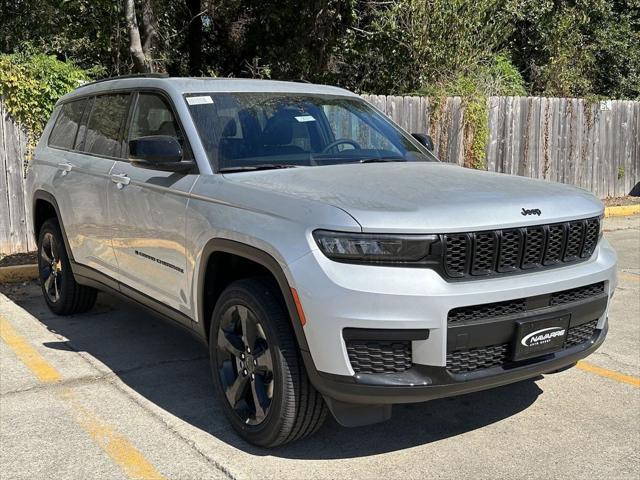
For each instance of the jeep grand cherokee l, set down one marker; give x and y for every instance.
(329, 261)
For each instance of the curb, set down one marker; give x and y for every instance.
(622, 211)
(18, 273)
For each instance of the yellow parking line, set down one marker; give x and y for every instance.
(117, 447)
(629, 276)
(603, 372)
(25, 352)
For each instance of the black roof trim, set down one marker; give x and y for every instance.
(133, 75)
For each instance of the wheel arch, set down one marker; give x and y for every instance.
(266, 263)
(45, 206)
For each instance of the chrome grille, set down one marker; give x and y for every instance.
(478, 254)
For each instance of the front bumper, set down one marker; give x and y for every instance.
(336, 296)
(422, 382)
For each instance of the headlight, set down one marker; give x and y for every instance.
(375, 248)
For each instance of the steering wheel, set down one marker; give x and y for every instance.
(341, 141)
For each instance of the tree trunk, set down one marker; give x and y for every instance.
(194, 37)
(140, 61)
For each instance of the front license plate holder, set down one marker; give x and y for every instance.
(538, 337)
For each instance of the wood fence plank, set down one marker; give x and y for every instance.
(5, 226)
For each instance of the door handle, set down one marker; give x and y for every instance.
(120, 179)
(65, 167)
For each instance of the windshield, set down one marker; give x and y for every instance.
(249, 131)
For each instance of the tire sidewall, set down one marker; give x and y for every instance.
(51, 226)
(268, 430)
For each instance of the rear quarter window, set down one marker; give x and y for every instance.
(65, 129)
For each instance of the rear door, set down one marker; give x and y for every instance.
(86, 153)
(148, 212)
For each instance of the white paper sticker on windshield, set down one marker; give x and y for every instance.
(199, 100)
(305, 118)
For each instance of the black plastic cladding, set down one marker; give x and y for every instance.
(481, 254)
(519, 305)
(499, 355)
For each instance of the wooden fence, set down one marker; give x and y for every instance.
(568, 140)
(593, 146)
(16, 234)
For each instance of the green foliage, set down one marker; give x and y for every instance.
(502, 47)
(578, 47)
(620, 172)
(496, 76)
(31, 84)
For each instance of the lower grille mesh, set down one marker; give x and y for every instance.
(474, 359)
(519, 305)
(477, 358)
(378, 356)
(581, 333)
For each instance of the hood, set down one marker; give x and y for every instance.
(425, 197)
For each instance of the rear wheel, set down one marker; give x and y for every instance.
(258, 372)
(63, 294)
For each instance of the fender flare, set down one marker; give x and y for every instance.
(48, 197)
(260, 257)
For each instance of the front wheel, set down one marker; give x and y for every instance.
(63, 294)
(258, 372)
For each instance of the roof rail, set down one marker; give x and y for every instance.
(132, 75)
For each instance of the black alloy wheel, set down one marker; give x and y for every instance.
(258, 372)
(244, 364)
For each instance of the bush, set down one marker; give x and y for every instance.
(31, 84)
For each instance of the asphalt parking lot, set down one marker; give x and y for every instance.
(117, 393)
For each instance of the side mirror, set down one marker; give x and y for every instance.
(158, 152)
(425, 140)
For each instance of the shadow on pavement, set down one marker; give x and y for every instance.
(170, 368)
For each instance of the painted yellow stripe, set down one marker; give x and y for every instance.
(25, 352)
(117, 447)
(603, 372)
(630, 276)
(622, 211)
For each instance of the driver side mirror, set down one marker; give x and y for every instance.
(158, 152)
(425, 140)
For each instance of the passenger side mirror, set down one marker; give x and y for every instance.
(425, 140)
(158, 152)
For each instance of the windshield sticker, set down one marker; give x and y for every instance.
(199, 100)
(305, 118)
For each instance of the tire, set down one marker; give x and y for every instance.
(295, 409)
(63, 294)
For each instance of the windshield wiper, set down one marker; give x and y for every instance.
(382, 159)
(252, 168)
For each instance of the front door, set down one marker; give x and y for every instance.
(148, 214)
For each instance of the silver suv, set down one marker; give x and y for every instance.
(329, 261)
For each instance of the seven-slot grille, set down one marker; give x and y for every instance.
(477, 254)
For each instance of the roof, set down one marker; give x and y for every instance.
(183, 85)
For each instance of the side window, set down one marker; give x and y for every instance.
(64, 131)
(153, 116)
(103, 129)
